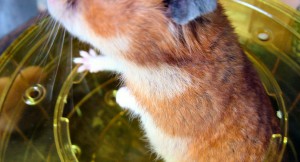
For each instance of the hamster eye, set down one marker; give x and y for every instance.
(166, 3)
(71, 3)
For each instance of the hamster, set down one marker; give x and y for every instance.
(185, 76)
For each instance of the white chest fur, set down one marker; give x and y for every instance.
(163, 81)
(171, 149)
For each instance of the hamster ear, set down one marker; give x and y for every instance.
(184, 11)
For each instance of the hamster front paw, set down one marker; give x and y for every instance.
(92, 62)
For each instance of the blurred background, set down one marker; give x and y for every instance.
(14, 13)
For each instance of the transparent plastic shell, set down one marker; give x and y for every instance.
(49, 112)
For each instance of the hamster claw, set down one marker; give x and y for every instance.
(81, 69)
(78, 60)
(92, 52)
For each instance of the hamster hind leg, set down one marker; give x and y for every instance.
(126, 100)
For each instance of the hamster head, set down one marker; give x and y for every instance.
(124, 23)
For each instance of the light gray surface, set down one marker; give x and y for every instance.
(13, 13)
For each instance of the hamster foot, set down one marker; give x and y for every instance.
(126, 100)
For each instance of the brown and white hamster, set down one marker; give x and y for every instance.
(196, 94)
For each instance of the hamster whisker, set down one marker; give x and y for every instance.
(51, 30)
(57, 58)
(59, 54)
(42, 15)
(45, 50)
(50, 24)
(43, 27)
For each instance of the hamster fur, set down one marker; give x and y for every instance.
(196, 94)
